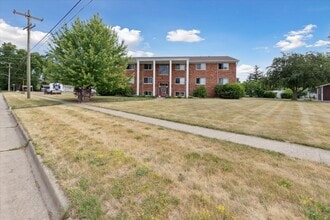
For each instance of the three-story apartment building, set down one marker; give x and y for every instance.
(180, 76)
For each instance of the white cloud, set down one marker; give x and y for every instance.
(261, 48)
(184, 36)
(244, 68)
(321, 43)
(17, 36)
(264, 49)
(140, 53)
(307, 29)
(296, 39)
(131, 37)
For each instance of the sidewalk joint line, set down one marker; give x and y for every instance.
(22, 147)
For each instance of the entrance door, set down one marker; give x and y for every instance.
(163, 89)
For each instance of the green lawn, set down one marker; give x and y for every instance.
(19, 100)
(114, 168)
(299, 122)
(296, 122)
(70, 97)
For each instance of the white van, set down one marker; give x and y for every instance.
(54, 88)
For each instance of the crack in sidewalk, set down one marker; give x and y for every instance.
(23, 146)
(14, 126)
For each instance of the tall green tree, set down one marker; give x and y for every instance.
(9, 53)
(37, 68)
(88, 55)
(257, 74)
(298, 71)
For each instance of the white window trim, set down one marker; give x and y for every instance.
(200, 80)
(144, 93)
(183, 94)
(181, 82)
(223, 63)
(222, 80)
(168, 69)
(131, 80)
(180, 65)
(147, 69)
(202, 65)
(148, 80)
(130, 68)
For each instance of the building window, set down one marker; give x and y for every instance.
(223, 81)
(147, 80)
(147, 93)
(201, 66)
(180, 67)
(179, 80)
(163, 69)
(131, 80)
(130, 67)
(147, 66)
(179, 94)
(200, 81)
(223, 66)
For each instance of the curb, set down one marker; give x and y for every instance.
(51, 193)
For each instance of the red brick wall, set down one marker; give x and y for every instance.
(178, 74)
(130, 73)
(143, 74)
(212, 75)
(326, 93)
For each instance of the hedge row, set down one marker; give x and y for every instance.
(237, 91)
(229, 91)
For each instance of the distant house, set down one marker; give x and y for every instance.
(180, 76)
(323, 92)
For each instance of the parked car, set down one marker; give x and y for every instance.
(43, 88)
(54, 88)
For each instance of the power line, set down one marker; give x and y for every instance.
(57, 24)
(64, 22)
(80, 11)
(22, 59)
(47, 36)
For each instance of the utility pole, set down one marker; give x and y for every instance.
(9, 77)
(28, 61)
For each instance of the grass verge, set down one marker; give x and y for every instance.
(69, 97)
(112, 168)
(18, 100)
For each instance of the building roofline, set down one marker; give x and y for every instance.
(327, 84)
(192, 59)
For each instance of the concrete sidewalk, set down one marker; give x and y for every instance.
(289, 149)
(26, 191)
(20, 197)
(292, 150)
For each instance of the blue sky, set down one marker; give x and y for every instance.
(253, 31)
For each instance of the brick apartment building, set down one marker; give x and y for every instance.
(180, 76)
(323, 92)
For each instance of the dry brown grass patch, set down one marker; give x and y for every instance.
(296, 122)
(116, 168)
